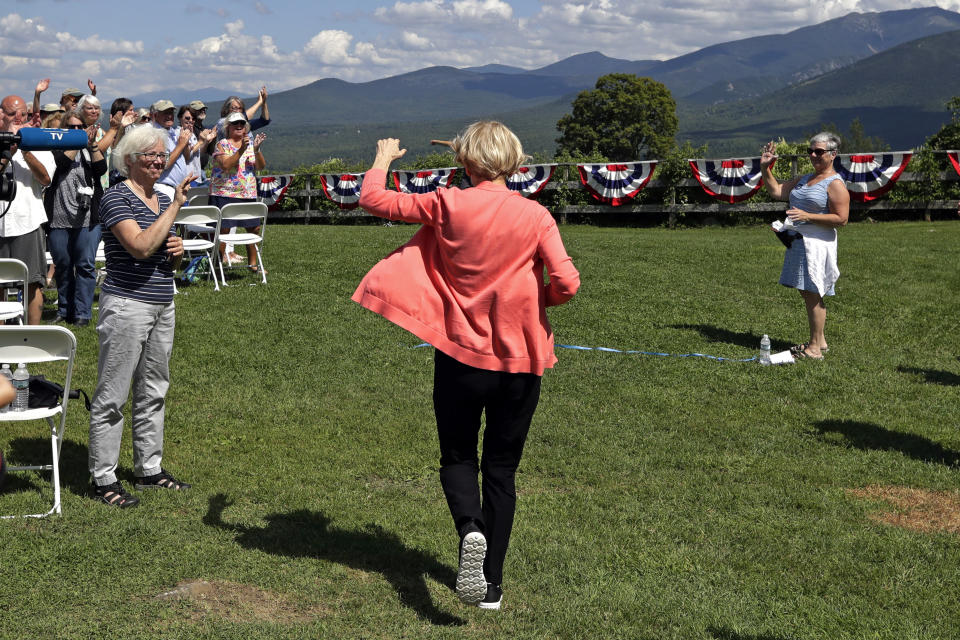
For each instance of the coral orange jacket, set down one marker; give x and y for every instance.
(471, 280)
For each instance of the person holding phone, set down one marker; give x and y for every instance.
(819, 205)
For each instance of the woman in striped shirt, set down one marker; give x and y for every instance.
(136, 319)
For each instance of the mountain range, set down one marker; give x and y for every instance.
(887, 68)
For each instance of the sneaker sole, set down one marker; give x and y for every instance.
(490, 606)
(471, 584)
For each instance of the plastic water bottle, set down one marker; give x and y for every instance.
(21, 382)
(8, 374)
(764, 350)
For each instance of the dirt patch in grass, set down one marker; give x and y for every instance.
(238, 603)
(917, 509)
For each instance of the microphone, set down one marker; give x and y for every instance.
(34, 139)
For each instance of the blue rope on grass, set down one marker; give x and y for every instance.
(642, 353)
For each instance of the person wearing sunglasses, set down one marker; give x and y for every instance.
(72, 203)
(819, 205)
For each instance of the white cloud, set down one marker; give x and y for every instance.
(331, 47)
(411, 40)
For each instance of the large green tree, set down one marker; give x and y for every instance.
(623, 118)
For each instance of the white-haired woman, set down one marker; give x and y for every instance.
(819, 204)
(470, 282)
(136, 321)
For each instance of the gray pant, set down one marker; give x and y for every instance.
(136, 339)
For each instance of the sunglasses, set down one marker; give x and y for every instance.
(75, 126)
(818, 152)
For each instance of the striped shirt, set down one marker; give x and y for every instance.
(148, 280)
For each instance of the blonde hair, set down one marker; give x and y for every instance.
(488, 150)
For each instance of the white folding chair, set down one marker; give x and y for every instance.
(197, 192)
(30, 345)
(195, 219)
(245, 211)
(198, 200)
(100, 259)
(13, 275)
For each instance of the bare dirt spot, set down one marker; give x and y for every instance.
(917, 509)
(238, 603)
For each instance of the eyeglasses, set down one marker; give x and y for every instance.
(818, 152)
(153, 156)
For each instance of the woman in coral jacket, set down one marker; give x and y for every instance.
(471, 283)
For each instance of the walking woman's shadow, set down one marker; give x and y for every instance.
(305, 533)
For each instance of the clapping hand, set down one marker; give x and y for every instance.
(43, 85)
(92, 86)
(257, 141)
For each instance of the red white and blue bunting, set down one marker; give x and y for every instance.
(343, 189)
(869, 176)
(424, 181)
(271, 189)
(954, 159)
(732, 180)
(529, 180)
(614, 184)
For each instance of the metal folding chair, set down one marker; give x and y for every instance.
(31, 345)
(195, 219)
(245, 211)
(14, 274)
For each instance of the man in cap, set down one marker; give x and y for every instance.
(20, 234)
(164, 117)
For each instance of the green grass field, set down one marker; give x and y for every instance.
(659, 497)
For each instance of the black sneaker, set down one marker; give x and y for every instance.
(471, 585)
(162, 480)
(115, 496)
(493, 597)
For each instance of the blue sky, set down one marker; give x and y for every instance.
(238, 45)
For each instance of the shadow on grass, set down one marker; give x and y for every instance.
(74, 476)
(728, 634)
(866, 436)
(934, 376)
(739, 338)
(305, 533)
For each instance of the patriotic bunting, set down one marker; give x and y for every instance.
(342, 189)
(869, 176)
(954, 159)
(425, 181)
(614, 184)
(529, 180)
(271, 189)
(731, 181)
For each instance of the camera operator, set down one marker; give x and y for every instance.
(20, 234)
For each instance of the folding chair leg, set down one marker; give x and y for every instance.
(223, 277)
(213, 272)
(55, 441)
(263, 271)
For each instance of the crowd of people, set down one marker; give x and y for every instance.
(124, 188)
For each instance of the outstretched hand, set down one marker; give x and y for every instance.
(389, 149)
(768, 155)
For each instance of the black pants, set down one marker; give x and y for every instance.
(461, 393)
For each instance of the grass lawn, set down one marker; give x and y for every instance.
(659, 497)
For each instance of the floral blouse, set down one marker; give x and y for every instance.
(239, 182)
